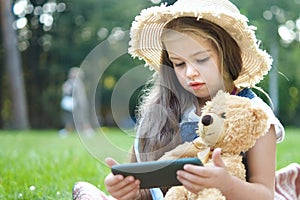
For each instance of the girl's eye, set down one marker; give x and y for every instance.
(178, 64)
(203, 60)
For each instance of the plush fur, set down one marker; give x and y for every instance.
(230, 122)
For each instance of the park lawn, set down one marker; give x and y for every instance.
(288, 150)
(42, 165)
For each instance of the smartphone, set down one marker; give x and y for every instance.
(155, 173)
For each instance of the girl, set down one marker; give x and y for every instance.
(196, 47)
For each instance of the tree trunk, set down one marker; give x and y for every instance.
(13, 68)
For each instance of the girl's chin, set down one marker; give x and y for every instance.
(204, 94)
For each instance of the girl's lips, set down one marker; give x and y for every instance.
(196, 85)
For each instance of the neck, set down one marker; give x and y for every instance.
(201, 102)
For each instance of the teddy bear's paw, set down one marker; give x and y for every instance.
(209, 193)
(176, 193)
(185, 150)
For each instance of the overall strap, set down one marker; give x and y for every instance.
(246, 92)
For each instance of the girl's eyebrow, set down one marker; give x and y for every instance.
(201, 52)
(174, 57)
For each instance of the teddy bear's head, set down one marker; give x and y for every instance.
(232, 123)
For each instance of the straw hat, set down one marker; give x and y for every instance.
(147, 28)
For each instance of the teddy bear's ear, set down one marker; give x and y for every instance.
(260, 121)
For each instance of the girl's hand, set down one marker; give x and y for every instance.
(120, 187)
(195, 178)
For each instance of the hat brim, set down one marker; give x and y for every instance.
(147, 29)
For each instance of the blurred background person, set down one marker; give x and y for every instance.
(74, 101)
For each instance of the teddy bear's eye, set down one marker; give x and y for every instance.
(223, 115)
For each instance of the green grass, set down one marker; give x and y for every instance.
(42, 165)
(288, 150)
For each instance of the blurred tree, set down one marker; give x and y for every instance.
(35, 21)
(54, 36)
(13, 65)
(278, 24)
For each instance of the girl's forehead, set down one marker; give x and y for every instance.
(186, 45)
(192, 34)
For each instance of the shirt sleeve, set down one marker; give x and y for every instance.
(272, 119)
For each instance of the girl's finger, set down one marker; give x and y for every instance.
(111, 162)
(217, 159)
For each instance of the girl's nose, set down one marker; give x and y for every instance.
(191, 71)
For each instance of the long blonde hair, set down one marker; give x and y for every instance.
(165, 100)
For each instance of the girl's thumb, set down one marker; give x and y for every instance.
(111, 162)
(217, 159)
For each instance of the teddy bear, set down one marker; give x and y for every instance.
(229, 122)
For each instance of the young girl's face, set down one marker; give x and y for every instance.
(196, 64)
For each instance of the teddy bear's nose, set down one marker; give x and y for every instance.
(207, 120)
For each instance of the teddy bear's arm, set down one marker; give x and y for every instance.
(187, 149)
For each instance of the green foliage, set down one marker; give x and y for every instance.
(50, 54)
(287, 64)
(84, 24)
